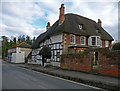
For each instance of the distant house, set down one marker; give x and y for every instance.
(19, 52)
(71, 33)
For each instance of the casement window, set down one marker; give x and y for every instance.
(82, 40)
(95, 41)
(72, 38)
(80, 26)
(106, 44)
(98, 41)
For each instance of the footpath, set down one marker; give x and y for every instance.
(101, 81)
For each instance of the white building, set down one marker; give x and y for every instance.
(19, 52)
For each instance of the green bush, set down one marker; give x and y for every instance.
(116, 46)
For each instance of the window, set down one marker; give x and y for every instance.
(82, 38)
(58, 54)
(80, 27)
(95, 41)
(106, 43)
(72, 38)
(97, 31)
(98, 41)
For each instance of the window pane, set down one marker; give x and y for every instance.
(82, 40)
(93, 40)
(106, 43)
(98, 41)
(72, 38)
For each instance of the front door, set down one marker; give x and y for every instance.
(95, 60)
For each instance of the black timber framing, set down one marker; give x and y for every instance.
(55, 49)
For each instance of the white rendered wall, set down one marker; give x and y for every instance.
(54, 39)
(57, 38)
(18, 57)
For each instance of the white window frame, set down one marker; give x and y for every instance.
(73, 42)
(84, 40)
(106, 43)
(80, 26)
(97, 38)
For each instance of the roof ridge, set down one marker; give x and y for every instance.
(80, 16)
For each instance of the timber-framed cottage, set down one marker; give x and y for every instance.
(71, 33)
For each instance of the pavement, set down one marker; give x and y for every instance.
(15, 78)
(100, 81)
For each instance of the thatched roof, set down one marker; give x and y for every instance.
(22, 45)
(70, 25)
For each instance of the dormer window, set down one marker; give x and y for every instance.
(97, 31)
(80, 26)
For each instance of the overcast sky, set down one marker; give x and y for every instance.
(31, 17)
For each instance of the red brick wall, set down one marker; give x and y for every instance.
(110, 42)
(103, 43)
(108, 62)
(76, 62)
(77, 39)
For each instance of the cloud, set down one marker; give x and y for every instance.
(106, 11)
(24, 17)
(16, 15)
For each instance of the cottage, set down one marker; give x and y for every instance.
(19, 52)
(71, 33)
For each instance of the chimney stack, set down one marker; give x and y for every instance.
(99, 22)
(48, 26)
(61, 16)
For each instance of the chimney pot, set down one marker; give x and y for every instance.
(99, 22)
(48, 26)
(62, 5)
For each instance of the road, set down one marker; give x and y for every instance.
(18, 78)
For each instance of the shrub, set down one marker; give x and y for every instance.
(116, 46)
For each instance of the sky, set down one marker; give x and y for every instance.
(28, 17)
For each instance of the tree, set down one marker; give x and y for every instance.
(14, 40)
(5, 46)
(23, 38)
(11, 43)
(28, 40)
(116, 46)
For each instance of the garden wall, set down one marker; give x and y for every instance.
(109, 61)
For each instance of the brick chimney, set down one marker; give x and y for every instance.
(48, 26)
(61, 17)
(99, 22)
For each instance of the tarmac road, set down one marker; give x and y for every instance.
(14, 77)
